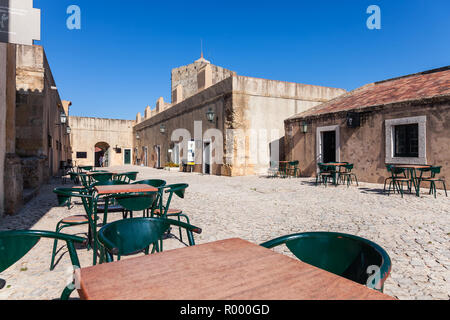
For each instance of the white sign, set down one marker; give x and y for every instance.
(20, 23)
(191, 153)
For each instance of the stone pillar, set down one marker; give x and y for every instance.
(138, 118)
(13, 176)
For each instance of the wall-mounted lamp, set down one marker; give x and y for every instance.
(137, 136)
(304, 127)
(63, 117)
(68, 130)
(210, 115)
(162, 128)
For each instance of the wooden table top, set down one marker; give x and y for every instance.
(125, 188)
(222, 270)
(335, 164)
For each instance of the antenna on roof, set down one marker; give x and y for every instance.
(201, 48)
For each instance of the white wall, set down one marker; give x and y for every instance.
(20, 23)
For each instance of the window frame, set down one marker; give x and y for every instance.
(390, 125)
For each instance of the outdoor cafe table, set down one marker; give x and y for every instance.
(232, 269)
(412, 174)
(111, 190)
(338, 165)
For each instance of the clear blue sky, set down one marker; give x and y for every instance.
(120, 60)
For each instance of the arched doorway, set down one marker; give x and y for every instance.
(102, 154)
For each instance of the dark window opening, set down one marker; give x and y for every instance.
(81, 155)
(407, 141)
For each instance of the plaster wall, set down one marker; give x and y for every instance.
(261, 107)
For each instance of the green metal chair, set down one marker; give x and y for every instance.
(126, 176)
(388, 168)
(293, 169)
(136, 201)
(164, 210)
(107, 204)
(326, 173)
(398, 178)
(64, 196)
(136, 235)
(343, 254)
(16, 244)
(101, 176)
(347, 174)
(157, 183)
(432, 179)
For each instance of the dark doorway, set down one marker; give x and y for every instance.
(158, 156)
(329, 146)
(102, 154)
(207, 157)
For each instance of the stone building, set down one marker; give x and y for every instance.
(220, 122)
(397, 121)
(36, 143)
(94, 139)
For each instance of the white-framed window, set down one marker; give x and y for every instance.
(406, 140)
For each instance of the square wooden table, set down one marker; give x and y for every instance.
(222, 270)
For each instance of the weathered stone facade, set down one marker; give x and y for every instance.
(366, 145)
(89, 132)
(186, 76)
(36, 143)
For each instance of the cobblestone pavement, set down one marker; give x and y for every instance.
(414, 231)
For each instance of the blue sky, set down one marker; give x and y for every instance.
(120, 60)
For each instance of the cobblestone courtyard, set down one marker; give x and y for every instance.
(414, 231)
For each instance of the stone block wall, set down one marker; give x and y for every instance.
(186, 76)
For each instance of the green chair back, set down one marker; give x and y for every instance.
(346, 255)
(126, 176)
(138, 201)
(131, 236)
(64, 197)
(102, 176)
(152, 182)
(349, 167)
(435, 170)
(179, 189)
(16, 244)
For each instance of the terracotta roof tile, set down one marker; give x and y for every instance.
(413, 87)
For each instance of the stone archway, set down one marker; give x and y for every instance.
(102, 157)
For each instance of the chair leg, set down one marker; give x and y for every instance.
(445, 189)
(356, 179)
(55, 244)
